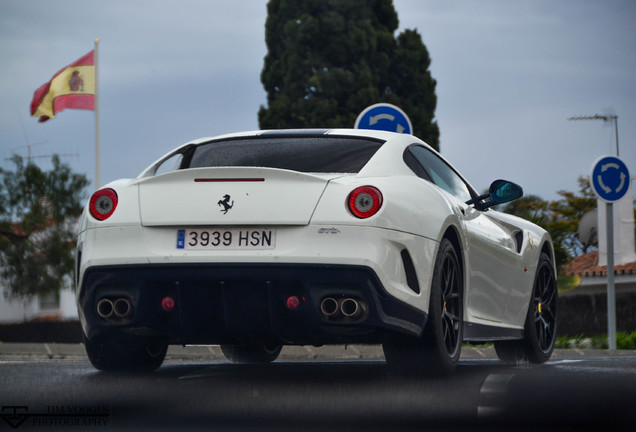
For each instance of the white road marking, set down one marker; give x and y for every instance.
(561, 362)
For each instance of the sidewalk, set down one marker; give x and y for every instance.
(56, 351)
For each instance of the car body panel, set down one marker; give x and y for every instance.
(256, 196)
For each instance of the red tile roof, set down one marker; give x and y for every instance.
(587, 265)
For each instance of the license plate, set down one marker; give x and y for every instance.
(233, 238)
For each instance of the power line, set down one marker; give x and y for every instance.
(47, 156)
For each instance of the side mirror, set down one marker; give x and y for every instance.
(500, 192)
(503, 191)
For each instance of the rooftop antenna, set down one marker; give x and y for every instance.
(605, 118)
(29, 144)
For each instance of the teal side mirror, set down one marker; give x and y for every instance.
(500, 192)
(503, 191)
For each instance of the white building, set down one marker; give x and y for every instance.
(53, 307)
(592, 267)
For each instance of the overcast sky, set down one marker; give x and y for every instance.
(509, 74)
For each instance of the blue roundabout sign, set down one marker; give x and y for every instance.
(386, 117)
(610, 179)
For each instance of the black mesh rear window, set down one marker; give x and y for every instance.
(317, 154)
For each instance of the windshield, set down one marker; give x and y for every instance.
(323, 154)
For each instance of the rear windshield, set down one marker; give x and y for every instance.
(324, 154)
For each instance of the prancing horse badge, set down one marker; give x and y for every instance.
(226, 204)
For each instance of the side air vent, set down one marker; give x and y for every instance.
(78, 264)
(519, 240)
(409, 270)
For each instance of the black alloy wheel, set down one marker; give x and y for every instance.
(544, 305)
(541, 320)
(437, 351)
(251, 354)
(451, 303)
(124, 352)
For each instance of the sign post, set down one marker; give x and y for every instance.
(610, 181)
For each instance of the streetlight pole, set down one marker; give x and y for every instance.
(605, 118)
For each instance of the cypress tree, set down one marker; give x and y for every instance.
(328, 60)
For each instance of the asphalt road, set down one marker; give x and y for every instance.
(308, 390)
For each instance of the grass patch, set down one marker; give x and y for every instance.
(624, 341)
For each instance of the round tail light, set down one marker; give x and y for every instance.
(103, 203)
(365, 201)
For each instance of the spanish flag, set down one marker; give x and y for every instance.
(72, 87)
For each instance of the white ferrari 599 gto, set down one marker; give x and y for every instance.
(307, 237)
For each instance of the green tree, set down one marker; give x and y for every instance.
(566, 213)
(327, 61)
(38, 212)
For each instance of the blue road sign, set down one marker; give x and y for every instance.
(610, 178)
(386, 117)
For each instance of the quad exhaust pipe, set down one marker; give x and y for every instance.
(351, 308)
(346, 309)
(105, 308)
(329, 307)
(115, 310)
(122, 308)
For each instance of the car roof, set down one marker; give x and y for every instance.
(390, 138)
(363, 133)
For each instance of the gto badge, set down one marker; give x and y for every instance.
(328, 231)
(226, 204)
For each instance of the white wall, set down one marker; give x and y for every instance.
(18, 310)
(12, 310)
(623, 230)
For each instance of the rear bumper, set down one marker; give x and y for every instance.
(244, 303)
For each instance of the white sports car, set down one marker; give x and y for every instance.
(297, 237)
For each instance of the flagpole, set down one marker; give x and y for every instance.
(97, 161)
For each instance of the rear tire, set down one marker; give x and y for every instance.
(122, 352)
(251, 353)
(438, 351)
(541, 321)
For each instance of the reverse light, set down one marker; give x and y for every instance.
(364, 201)
(103, 203)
